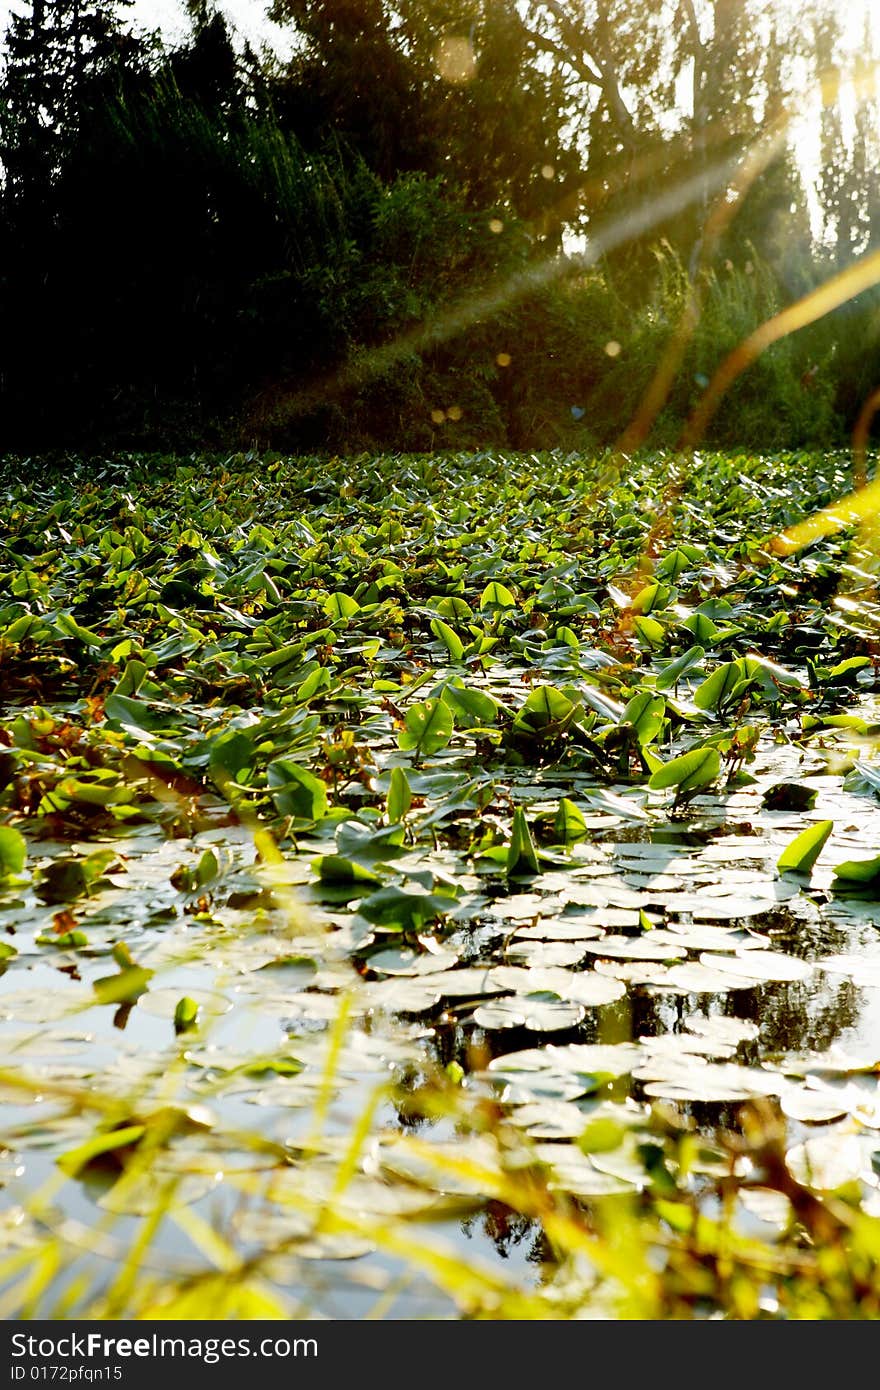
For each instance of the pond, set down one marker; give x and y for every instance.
(367, 956)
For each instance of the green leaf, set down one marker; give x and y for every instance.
(453, 607)
(405, 908)
(470, 707)
(863, 871)
(317, 679)
(13, 851)
(399, 798)
(522, 857)
(97, 793)
(672, 674)
(652, 596)
(646, 713)
(62, 881)
(338, 606)
(230, 754)
(69, 627)
(686, 773)
(800, 856)
(496, 595)
(674, 562)
(701, 626)
(112, 1141)
(569, 823)
(26, 626)
(652, 633)
(846, 672)
(296, 791)
(336, 868)
(185, 1015)
(429, 727)
(369, 844)
(450, 639)
(120, 709)
(66, 940)
(546, 711)
(132, 678)
(207, 868)
(726, 683)
(123, 988)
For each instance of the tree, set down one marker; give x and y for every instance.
(54, 51)
(451, 88)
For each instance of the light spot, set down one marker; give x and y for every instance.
(496, 225)
(454, 412)
(503, 359)
(612, 348)
(456, 63)
(438, 416)
(548, 172)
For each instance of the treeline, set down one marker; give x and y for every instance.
(363, 246)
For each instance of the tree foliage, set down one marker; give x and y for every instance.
(194, 234)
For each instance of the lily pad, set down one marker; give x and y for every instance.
(536, 1012)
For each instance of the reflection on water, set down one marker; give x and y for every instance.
(266, 1058)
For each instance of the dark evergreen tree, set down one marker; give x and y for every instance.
(55, 52)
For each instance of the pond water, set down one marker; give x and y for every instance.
(549, 992)
(390, 887)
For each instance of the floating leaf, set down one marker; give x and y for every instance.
(546, 711)
(114, 1141)
(62, 881)
(827, 1162)
(568, 823)
(185, 1015)
(399, 797)
(692, 1079)
(759, 966)
(429, 728)
(790, 796)
(296, 791)
(408, 909)
(522, 857)
(727, 684)
(13, 851)
(340, 606)
(688, 772)
(673, 672)
(858, 872)
(403, 960)
(800, 856)
(449, 637)
(529, 1011)
(496, 595)
(646, 713)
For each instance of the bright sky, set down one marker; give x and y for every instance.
(248, 17)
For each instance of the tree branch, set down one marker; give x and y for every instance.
(592, 61)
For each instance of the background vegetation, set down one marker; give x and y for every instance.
(203, 244)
